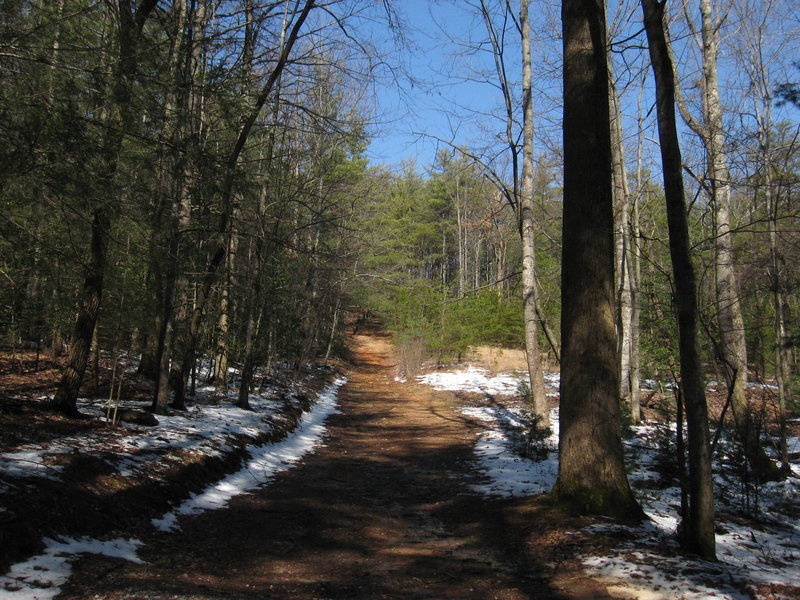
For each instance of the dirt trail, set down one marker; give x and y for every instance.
(383, 510)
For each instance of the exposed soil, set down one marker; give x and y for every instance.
(383, 510)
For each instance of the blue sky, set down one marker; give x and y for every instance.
(435, 94)
(432, 99)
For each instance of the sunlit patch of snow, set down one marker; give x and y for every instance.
(479, 380)
(41, 577)
(552, 381)
(473, 379)
(508, 473)
(753, 385)
(762, 386)
(266, 461)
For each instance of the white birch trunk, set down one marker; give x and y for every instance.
(529, 291)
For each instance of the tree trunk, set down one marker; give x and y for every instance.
(698, 533)
(220, 376)
(635, 265)
(591, 476)
(334, 324)
(255, 306)
(253, 322)
(623, 242)
(66, 396)
(541, 407)
(777, 267)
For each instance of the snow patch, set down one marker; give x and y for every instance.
(508, 473)
(648, 565)
(266, 461)
(41, 577)
(479, 380)
(29, 463)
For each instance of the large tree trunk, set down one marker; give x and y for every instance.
(698, 526)
(529, 290)
(591, 476)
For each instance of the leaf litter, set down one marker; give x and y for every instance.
(207, 429)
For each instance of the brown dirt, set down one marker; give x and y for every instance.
(383, 510)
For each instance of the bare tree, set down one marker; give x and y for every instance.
(627, 282)
(733, 345)
(698, 526)
(527, 226)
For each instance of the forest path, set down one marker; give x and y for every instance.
(383, 510)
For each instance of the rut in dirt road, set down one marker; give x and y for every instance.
(383, 510)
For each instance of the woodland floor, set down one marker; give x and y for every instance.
(382, 510)
(385, 508)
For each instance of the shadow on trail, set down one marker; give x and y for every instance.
(350, 529)
(383, 510)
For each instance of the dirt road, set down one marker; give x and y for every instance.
(383, 510)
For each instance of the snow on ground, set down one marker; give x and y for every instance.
(198, 431)
(41, 577)
(648, 565)
(266, 460)
(509, 473)
(477, 379)
(202, 429)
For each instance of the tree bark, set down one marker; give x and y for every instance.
(65, 400)
(220, 376)
(624, 255)
(541, 407)
(591, 476)
(698, 533)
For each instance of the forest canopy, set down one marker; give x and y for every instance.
(193, 179)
